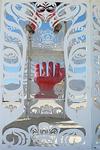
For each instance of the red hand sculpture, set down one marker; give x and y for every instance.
(46, 81)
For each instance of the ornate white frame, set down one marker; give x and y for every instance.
(87, 117)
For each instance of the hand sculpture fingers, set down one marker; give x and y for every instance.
(44, 69)
(37, 70)
(57, 70)
(62, 72)
(50, 69)
(47, 79)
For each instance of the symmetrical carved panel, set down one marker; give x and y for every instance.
(45, 42)
(75, 51)
(43, 135)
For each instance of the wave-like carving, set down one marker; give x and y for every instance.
(15, 47)
(75, 57)
(43, 135)
(16, 136)
(14, 55)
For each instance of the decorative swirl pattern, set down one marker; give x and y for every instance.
(65, 12)
(76, 37)
(43, 135)
(71, 137)
(14, 54)
(16, 136)
(14, 58)
(14, 48)
(75, 50)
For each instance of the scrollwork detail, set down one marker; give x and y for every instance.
(43, 135)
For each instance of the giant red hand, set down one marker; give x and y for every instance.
(48, 78)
